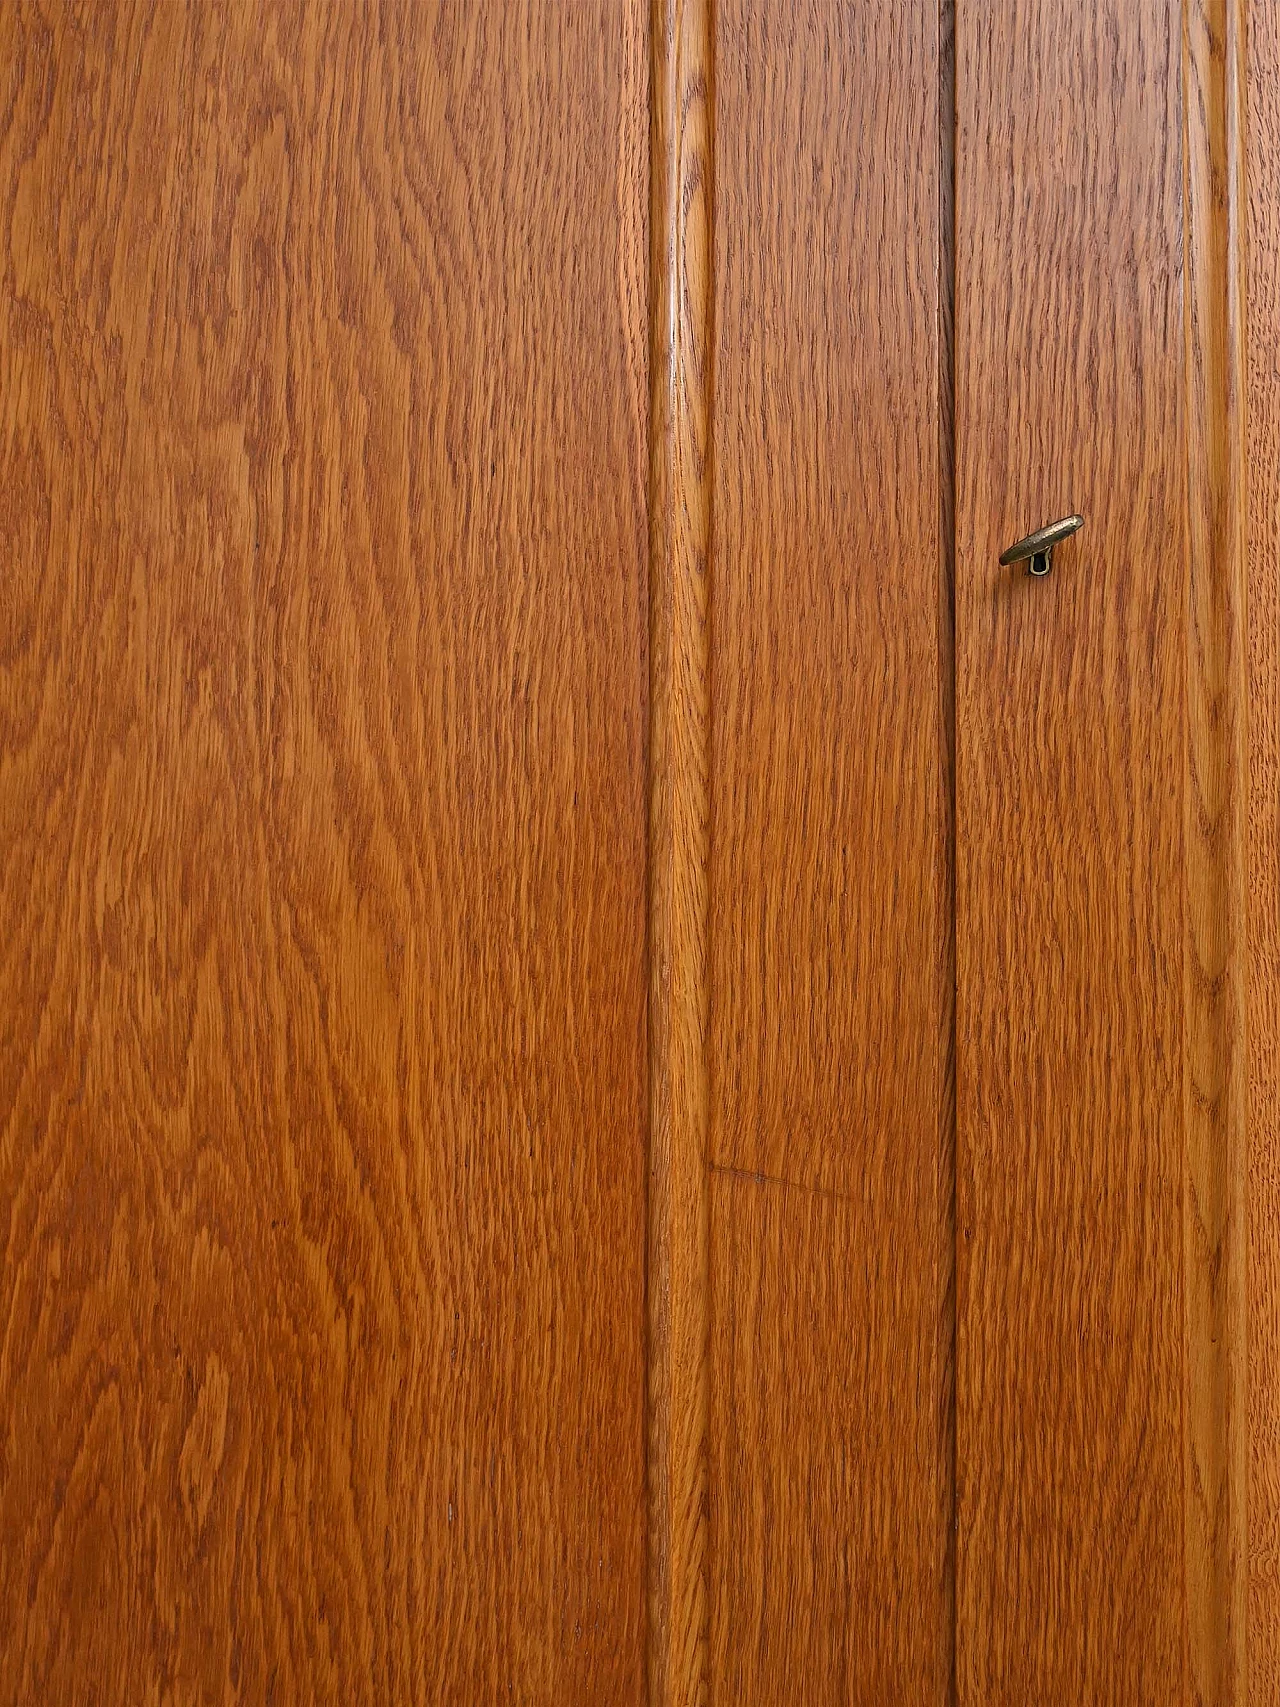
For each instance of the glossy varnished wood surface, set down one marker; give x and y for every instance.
(1215, 1081)
(1263, 414)
(1070, 366)
(322, 690)
(829, 981)
(681, 201)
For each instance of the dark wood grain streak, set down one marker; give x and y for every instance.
(831, 984)
(679, 832)
(323, 428)
(1263, 415)
(1216, 1074)
(1070, 380)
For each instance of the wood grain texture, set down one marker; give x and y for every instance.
(830, 980)
(1263, 416)
(825, 1588)
(679, 843)
(323, 426)
(1215, 1082)
(1070, 377)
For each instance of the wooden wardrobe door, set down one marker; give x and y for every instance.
(322, 828)
(1099, 812)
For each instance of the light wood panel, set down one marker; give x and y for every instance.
(323, 430)
(1070, 378)
(830, 971)
(1263, 414)
(1215, 1078)
(679, 832)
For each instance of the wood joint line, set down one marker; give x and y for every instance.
(681, 232)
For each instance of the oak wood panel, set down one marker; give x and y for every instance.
(323, 404)
(1263, 414)
(679, 844)
(1215, 1081)
(825, 1585)
(1070, 373)
(825, 781)
(830, 973)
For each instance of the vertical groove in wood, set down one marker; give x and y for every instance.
(1216, 1085)
(679, 830)
(1263, 925)
(946, 845)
